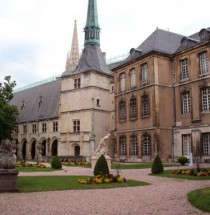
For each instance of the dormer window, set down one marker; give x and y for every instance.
(184, 41)
(23, 105)
(40, 101)
(204, 34)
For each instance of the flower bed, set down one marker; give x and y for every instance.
(193, 172)
(102, 179)
(78, 163)
(21, 164)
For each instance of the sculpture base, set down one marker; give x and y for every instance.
(95, 158)
(8, 180)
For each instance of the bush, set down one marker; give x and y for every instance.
(182, 160)
(157, 166)
(101, 167)
(56, 163)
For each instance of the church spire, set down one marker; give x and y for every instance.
(92, 29)
(73, 55)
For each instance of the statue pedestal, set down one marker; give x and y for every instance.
(8, 180)
(95, 158)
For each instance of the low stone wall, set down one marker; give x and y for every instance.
(8, 180)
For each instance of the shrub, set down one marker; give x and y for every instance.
(101, 167)
(56, 163)
(157, 166)
(182, 160)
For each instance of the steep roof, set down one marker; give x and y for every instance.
(160, 40)
(49, 94)
(91, 59)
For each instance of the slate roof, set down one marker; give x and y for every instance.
(91, 59)
(160, 40)
(50, 94)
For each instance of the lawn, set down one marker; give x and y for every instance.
(200, 199)
(138, 166)
(35, 169)
(168, 174)
(50, 183)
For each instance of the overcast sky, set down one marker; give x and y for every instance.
(36, 35)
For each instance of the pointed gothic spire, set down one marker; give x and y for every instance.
(92, 29)
(73, 55)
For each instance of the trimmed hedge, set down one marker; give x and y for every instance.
(182, 160)
(101, 167)
(157, 166)
(56, 163)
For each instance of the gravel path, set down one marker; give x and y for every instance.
(165, 196)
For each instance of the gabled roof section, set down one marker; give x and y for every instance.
(38, 103)
(160, 40)
(91, 59)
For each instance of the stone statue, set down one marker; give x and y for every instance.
(39, 152)
(7, 154)
(102, 148)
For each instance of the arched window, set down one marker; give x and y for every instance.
(146, 145)
(134, 145)
(33, 150)
(55, 148)
(122, 110)
(44, 149)
(123, 150)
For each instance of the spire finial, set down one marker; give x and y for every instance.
(92, 29)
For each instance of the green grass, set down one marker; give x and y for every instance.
(168, 174)
(200, 199)
(50, 183)
(35, 169)
(138, 166)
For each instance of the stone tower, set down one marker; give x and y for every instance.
(87, 99)
(73, 55)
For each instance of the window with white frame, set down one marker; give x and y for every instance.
(186, 144)
(44, 127)
(123, 145)
(186, 104)
(146, 145)
(206, 144)
(76, 126)
(144, 73)
(122, 110)
(133, 77)
(34, 128)
(55, 126)
(133, 108)
(203, 57)
(145, 105)
(184, 69)
(122, 82)
(134, 145)
(205, 92)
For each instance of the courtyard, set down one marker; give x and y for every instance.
(163, 196)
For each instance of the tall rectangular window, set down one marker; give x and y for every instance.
(186, 104)
(55, 126)
(144, 73)
(203, 57)
(184, 69)
(206, 144)
(134, 145)
(44, 127)
(133, 77)
(122, 82)
(76, 83)
(76, 126)
(123, 145)
(122, 110)
(34, 128)
(145, 105)
(133, 108)
(186, 144)
(24, 129)
(205, 92)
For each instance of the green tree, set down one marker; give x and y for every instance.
(157, 166)
(8, 113)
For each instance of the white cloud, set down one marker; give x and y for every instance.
(46, 27)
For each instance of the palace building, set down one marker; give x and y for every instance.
(156, 101)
